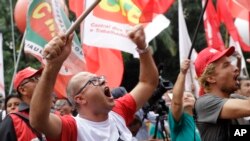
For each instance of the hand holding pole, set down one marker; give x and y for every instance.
(78, 21)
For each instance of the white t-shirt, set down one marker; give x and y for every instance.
(113, 129)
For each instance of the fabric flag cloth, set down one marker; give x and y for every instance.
(184, 48)
(243, 29)
(100, 61)
(212, 26)
(239, 8)
(44, 20)
(226, 17)
(151, 7)
(107, 62)
(2, 91)
(106, 27)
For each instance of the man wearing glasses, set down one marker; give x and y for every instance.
(16, 126)
(100, 116)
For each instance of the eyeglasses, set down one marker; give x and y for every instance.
(96, 81)
(32, 79)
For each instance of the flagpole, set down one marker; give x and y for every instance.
(81, 18)
(12, 33)
(197, 28)
(17, 63)
(78, 21)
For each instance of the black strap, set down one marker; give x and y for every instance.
(25, 118)
(1, 116)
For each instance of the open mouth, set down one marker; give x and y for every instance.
(236, 80)
(107, 92)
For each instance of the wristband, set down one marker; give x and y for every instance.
(142, 51)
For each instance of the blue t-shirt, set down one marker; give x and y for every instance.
(184, 130)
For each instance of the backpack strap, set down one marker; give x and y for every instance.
(25, 118)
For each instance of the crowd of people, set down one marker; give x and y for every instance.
(94, 112)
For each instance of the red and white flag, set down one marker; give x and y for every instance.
(44, 20)
(100, 61)
(107, 26)
(240, 8)
(104, 34)
(226, 17)
(151, 7)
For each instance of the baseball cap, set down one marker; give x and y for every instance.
(24, 74)
(208, 56)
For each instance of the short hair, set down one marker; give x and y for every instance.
(8, 98)
(208, 71)
(241, 78)
(74, 86)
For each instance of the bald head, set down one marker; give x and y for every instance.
(76, 82)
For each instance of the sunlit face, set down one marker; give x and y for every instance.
(225, 77)
(245, 87)
(12, 105)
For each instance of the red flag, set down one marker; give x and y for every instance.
(211, 25)
(226, 17)
(101, 61)
(150, 7)
(76, 6)
(107, 62)
(239, 8)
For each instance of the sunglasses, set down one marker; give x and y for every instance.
(96, 81)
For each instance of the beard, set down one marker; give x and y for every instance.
(229, 90)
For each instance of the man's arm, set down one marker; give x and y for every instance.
(178, 90)
(235, 108)
(148, 79)
(40, 117)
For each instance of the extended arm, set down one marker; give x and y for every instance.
(235, 108)
(178, 90)
(40, 116)
(148, 79)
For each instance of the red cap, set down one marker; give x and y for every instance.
(24, 74)
(208, 56)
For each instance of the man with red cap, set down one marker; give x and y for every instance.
(16, 125)
(218, 79)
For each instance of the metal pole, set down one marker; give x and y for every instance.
(12, 33)
(197, 28)
(16, 65)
